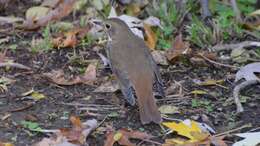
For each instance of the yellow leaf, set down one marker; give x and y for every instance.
(169, 109)
(118, 136)
(210, 82)
(37, 96)
(8, 144)
(150, 37)
(199, 92)
(191, 131)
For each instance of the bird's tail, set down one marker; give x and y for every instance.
(147, 105)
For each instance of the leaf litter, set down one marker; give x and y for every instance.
(70, 39)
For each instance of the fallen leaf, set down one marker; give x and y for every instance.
(159, 57)
(169, 109)
(40, 19)
(4, 82)
(189, 129)
(71, 38)
(123, 137)
(240, 55)
(75, 136)
(251, 139)
(58, 76)
(199, 92)
(179, 48)
(69, 41)
(211, 82)
(218, 141)
(107, 87)
(35, 13)
(90, 75)
(150, 37)
(248, 72)
(5, 144)
(32, 126)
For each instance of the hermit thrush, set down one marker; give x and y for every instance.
(134, 68)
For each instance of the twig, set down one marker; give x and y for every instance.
(223, 47)
(251, 34)
(99, 109)
(102, 121)
(16, 65)
(240, 87)
(233, 130)
(171, 119)
(217, 63)
(85, 105)
(21, 108)
(149, 141)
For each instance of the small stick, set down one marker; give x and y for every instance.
(85, 105)
(171, 119)
(224, 47)
(217, 63)
(16, 65)
(21, 108)
(233, 130)
(149, 141)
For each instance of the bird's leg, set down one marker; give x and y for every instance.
(205, 8)
(236, 11)
(206, 14)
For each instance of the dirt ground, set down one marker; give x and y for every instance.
(216, 108)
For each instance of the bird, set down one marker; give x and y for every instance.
(134, 68)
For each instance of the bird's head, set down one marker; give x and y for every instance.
(115, 27)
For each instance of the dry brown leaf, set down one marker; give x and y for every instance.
(107, 87)
(58, 76)
(90, 74)
(211, 140)
(75, 136)
(150, 37)
(159, 57)
(123, 137)
(63, 9)
(179, 48)
(71, 38)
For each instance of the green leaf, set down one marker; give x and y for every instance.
(32, 126)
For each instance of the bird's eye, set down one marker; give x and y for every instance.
(108, 26)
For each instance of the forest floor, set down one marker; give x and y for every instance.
(212, 104)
